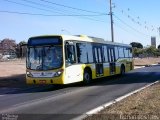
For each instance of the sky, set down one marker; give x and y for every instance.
(134, 20)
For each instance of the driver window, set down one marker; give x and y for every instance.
(70, 54)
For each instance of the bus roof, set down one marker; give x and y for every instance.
(85, 38)
(91, 39)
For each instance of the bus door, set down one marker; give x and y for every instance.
(98, 60)
(111, 57)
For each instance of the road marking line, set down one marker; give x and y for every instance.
(137, 67)
(98, 109)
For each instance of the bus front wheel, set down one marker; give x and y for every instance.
(86, 77)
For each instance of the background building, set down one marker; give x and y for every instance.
(153, 41)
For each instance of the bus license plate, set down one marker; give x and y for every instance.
(42, 81)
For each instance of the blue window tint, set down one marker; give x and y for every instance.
(44, 41)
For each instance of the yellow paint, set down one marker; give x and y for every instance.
(55, 80)
(118, 70)
(67, 78)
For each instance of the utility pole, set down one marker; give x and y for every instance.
(111, 16)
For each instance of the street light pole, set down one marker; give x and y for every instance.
(111, 16)
(64, 30)
(159, 30)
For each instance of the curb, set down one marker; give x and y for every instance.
(136, 67)
(139, 66)
(98, 109)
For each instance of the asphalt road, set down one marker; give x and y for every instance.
(67, 102)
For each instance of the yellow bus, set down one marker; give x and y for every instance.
(64, 59)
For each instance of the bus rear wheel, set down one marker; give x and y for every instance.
(122, 70)
(86, 77)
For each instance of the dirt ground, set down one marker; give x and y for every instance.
(146, 61)
(12, 68)
(12, 73)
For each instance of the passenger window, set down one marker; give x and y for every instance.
(126, 52)
(70, 54)
(130, 52)
(105, 54)
(121, 52)
(81, 53)
(116, 53)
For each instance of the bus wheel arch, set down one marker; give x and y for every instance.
(122, 70)
(87, 75)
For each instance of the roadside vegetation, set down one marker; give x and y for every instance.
(144, 105)
(142, 52)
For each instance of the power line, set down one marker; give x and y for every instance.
(79, 9)
(75, 15)
(26, 13)
(46, 6)
(50, 15)
(50, 10)
(122, 28)
(51, 7)
(84, 16)
(28, 5)
(130, 26)
(137, 20)
(131, 33)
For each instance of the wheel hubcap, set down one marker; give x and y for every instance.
(87, 77)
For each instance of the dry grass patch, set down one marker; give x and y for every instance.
(146, 61)
(145, 103)
(12, 68)
(12, 73)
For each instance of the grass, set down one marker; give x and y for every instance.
(142, 105)
(146, 61)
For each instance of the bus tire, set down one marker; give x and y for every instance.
(122, 70)
(87, 77)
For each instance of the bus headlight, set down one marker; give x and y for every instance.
(58, 73)
(29, 74)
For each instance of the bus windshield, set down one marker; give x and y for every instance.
(44, 57)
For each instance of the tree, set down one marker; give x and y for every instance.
(158, 46)
(137, 51)
(151, 51)
(136, 45)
